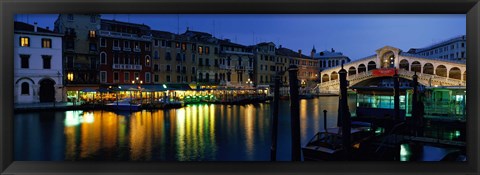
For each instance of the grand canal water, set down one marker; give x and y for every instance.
(201, 132)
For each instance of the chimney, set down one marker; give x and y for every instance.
(280, 46)
(48, 28)
(35, 26)
(300, 52)
(333, 50)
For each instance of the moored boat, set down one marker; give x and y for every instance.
(327, 145)
(125, 104)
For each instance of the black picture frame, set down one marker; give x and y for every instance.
(8, 8)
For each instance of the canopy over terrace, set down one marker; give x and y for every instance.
(150, 92)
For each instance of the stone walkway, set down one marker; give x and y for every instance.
(36, 106)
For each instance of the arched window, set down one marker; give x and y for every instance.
(103, 58)
(25, 88)
(147, 60)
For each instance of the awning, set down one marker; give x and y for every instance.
(88, 90)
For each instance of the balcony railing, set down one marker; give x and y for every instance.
(240, 67)
(127, 49)
(127, 66)
(136, 50)
(116, 48)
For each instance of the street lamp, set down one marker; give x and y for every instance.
(249, 82)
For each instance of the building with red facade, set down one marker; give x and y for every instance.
(124, 53)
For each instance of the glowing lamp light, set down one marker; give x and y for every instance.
(164, 86)
(404, 152)
(457, 133)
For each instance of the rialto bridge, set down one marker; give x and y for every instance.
(430, 71)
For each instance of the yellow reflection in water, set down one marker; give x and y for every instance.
(70, 145)
(90, 137)
(141, 126)
(181, 130)
(97, 130)
(249, 129)
(195, 138)
(303, 117)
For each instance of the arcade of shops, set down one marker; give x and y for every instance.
(163, 92)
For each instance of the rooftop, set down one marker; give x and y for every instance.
(124, 23)
(287, 52)
(21, 26)
(162, 34)
(227, 42)
(445, 42)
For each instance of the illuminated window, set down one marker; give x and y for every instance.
(200, 49)
(25, 41)
(92, 34)
(46, 43)
(184, 46)
(177, 45)
(147, 60)
(70, 76)
(207, 50)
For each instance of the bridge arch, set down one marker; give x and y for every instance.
(352, 71)
(387, 60)
(372, 65)
(416, 67)
(325, 78)
(334, 75)
(362, 68)
(404, 64)
(441, 70)
(455, 73)
(428, 68)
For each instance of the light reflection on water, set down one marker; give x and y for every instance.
(192, 133)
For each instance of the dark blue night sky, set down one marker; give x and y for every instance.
(356, 36)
